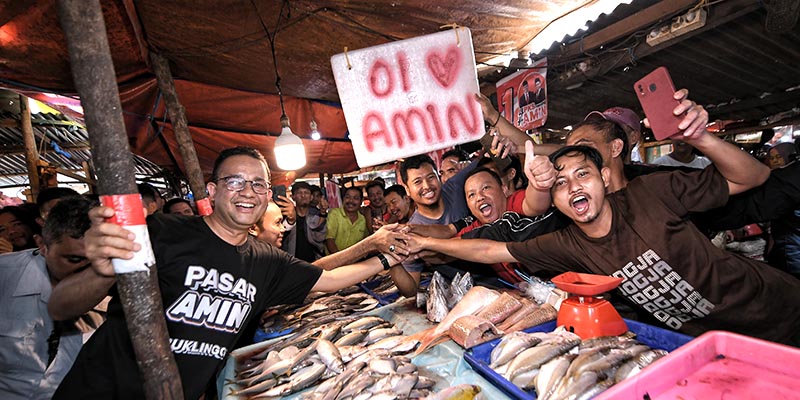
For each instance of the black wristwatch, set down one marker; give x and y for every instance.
(384, 261)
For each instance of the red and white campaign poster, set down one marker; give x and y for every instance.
(409, 97)
(522, 97)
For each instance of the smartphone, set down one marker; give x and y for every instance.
(656, 95)
(278, 190)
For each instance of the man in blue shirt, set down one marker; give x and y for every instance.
(35, 351)
(437, 203)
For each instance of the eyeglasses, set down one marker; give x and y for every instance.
(237, 184)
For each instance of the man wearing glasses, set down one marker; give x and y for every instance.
(213, 278)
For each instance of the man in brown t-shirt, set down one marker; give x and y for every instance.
(641, 233)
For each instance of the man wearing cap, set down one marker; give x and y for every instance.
(631, 124)
(609, 139)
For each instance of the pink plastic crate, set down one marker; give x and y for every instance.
(717, 365)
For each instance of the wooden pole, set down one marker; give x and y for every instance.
(31, 154)
(181, 128)
(95, 80)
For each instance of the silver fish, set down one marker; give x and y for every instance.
(610, 341)
(383, 366)
(275, 392)
(350, 352)
(595, 390)
(583, 383)
(305, 377)
(330, 356)
(363, 323)
(606, 365)
(351, 338)
(406, 368)
(535, 357)
(388, 343)
(385, 396)
(637, 363)
(356, 385)
(550, 374)
(511, 345)
(403, 384)
(423, 382)
(330, 331)
(378, 334)
(369, 304)
(258, 388)
(371, 354)
(526, 380)
(340, 381)
(278, 368)
(419, 394)
(285, 353)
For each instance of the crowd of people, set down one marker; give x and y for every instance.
(510, 210)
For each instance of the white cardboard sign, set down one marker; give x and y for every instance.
(409, 97)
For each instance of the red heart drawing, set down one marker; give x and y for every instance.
(445, 69)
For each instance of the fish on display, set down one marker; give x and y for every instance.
(475, 300)
(511, 345)
(458, 288)
(471, 330)
(560, 366)
(441, 296)
(318, 310)
(527, 307)
(483, 311)
(437, 298)
(372, 366)
(637, 363)
(458, 392)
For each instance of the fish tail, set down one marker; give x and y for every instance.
(430, 341)
(419, 336)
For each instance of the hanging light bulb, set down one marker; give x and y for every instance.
(290, 153)
(314, 132)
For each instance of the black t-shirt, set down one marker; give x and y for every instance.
(777, 198)
(303, 250)
(210, 290)
(513, 227)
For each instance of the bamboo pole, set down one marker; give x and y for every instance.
(31, 154)
(95, 80)
(181, 128)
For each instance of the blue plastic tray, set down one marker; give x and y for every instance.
(368, 286)
(261, 336)
(478, 357)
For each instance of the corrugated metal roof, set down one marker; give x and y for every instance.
(61, 142)
(737, 70)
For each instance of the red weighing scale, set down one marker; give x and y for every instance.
(584, 312)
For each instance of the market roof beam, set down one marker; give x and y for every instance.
(718, 14)
(642, 19)
(12, 150)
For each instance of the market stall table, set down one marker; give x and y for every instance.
(445, 362)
